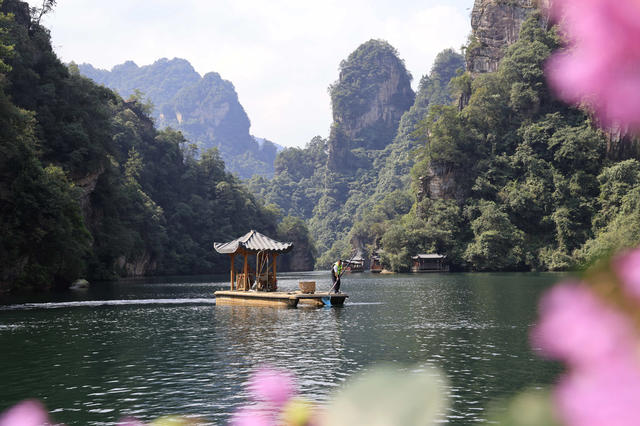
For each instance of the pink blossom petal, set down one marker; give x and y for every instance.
(575, 76)
(608, 395)
(272, 386)
(25, 413)
(578, 328)
(601, 67)
(251, 416)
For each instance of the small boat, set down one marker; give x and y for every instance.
(355, 264)
(278, 298)
(376, 264)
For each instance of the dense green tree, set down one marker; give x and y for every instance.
(43, 241)
(616, 225)
(91, 188)
(522, 166)
(497, 243)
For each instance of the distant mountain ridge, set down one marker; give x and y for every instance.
(206, 109)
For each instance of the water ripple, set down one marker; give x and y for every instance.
(165, 349)
(94, 303)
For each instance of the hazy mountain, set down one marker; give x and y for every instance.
(206, 109)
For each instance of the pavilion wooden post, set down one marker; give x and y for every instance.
(246, 271)
(233, 270)
(265, 250)
(275, 281)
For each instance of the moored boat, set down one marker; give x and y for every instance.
(430, 263)
(376, 264)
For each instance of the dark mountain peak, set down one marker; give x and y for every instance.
(374, 49)
(368, 99)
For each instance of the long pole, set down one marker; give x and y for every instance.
(342, 272)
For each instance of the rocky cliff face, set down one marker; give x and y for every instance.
(368, 100)
(495, 25)
(440, 183)
(137, 267)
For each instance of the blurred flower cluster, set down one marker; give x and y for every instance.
(274, 392)
(32, 413)
(600, 67)
(592, 326)
(381, 396)
(25, 413)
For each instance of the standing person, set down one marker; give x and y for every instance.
(336, 273)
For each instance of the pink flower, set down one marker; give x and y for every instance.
(25, 413)
(578, 328)
(272, 389)
(601, 67)
(627, 266)
(599, 346)
(607, 395)
(272, 386)
(251, 416)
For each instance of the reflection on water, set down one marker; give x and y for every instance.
(148, 349)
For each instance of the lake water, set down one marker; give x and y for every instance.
(158, 347)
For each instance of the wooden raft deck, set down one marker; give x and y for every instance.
(276, 298)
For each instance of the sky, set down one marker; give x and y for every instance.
(281, 55)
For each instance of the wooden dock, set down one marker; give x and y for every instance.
(278, 299)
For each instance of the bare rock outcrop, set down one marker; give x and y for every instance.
(441, 182)
(495, 25)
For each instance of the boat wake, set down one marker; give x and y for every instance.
(93, 303)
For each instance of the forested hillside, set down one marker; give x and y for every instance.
(515, 180)
(91, 188)
(339, 182)
(488, 168)
(205, 109)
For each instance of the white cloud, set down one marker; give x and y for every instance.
(281, 55)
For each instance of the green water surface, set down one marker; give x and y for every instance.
(152, 348)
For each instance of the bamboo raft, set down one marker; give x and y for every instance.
(262, 277)
(278, 298)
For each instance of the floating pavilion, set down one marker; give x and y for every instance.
(431, 262)
(259, 286)
(356, 264)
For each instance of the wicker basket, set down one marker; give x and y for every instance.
(308, 287)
